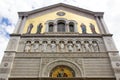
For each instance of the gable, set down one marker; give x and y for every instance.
(70, 14)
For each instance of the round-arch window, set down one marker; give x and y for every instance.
(62, 71)
(61, 26)
(51, 27)
(71, 27)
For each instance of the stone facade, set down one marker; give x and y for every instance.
(34, 56)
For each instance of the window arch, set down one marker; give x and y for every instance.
(51, 27)
(61, 26)
(71, 27)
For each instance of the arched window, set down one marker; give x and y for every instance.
(51, 27)
(61, 26)
(71, 27)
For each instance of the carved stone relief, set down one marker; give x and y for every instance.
(78, 46)
(28, 46)
(35, 46)
(53, 46)
(62, 46)
(44, 46)
(61, 61)
(118, 64)
(67, 45)
(70, 46)
(5, 64)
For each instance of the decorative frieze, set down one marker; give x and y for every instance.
(61, 45)
(60, 54)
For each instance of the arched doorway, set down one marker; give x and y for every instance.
(62, 71)
(71, 66)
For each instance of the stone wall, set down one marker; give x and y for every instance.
(29, 66)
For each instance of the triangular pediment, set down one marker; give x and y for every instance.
(58, 6)
(60, 11)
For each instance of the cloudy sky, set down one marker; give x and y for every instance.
(9, 16)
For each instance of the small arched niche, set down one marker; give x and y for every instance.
(62, 71)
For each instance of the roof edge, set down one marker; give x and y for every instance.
(57, 5)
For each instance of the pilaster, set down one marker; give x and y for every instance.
(102, 31)
(55, 27)
(21, 28)
(67, 27)
(104, 25)
(115, 63)
(6, 65)
(109, 44)
(18, 25)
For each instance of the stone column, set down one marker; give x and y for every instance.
(67, 27)
(55, 27)
(104, 25)
(75, 27)
(47, 27)
(102, 31)
(114, 58)
(6, 65)
(21, 28)
(18, 25)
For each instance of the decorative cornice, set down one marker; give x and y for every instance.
(15, 35)
(74, 78)
(57, 34)
(60, 5)
(61, 54)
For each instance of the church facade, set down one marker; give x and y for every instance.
(60, 42)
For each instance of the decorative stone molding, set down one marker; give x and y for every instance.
(47, 69)
(57, 54)
(60, 13)
(84, 45)
(55, 22)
